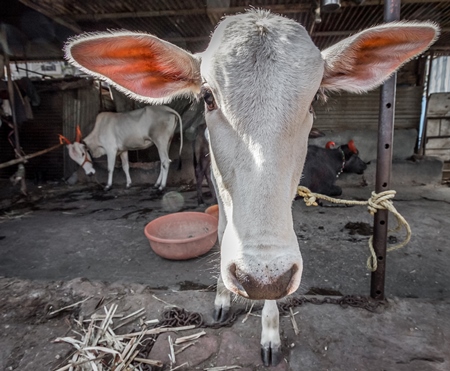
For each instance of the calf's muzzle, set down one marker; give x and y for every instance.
(262, 285)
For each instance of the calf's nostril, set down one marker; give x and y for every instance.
(238, 288)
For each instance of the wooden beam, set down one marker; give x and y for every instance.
(27, 157)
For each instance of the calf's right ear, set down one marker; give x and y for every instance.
(138, 64)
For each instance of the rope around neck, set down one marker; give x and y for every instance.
(378, 201)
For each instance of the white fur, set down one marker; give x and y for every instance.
(264, 72)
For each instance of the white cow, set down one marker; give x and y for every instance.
(117, 133)
(258, 78)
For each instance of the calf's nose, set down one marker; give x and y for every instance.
(261, 285)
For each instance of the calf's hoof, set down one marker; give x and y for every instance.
(221, 314)
(271, 355)
(107, 188)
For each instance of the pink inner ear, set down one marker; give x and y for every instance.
(140, 63)
(366, 60)
(393, 47)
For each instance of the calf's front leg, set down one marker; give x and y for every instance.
(270, 334)
(222, 301)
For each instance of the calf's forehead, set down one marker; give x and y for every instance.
(262, 54)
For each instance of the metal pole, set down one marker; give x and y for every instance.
(427, 99)
(384, 162)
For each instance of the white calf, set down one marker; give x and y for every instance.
(258, 78)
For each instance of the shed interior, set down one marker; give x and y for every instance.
(36, 30)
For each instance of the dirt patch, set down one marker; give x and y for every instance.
(361, 228)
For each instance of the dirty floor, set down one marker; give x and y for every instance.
(64, 244)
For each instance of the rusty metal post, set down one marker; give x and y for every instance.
(384, 162)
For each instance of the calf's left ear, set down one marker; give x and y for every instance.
(364, 61)
(138, 64)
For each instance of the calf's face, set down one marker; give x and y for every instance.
(258, 78)
(256, 132)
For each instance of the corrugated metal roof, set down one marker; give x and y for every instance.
(189, 23)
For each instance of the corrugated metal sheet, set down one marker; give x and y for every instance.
(80, 107)
(361, 111)
(440, 75)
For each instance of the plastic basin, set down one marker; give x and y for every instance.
(181, 236)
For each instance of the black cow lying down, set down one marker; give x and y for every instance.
(324, 165)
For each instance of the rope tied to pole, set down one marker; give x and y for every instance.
(377, 201)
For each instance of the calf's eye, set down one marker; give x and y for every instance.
(208, 97)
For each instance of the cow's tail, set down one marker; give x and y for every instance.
(181, 138)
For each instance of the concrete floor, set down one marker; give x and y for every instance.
(63, 233)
